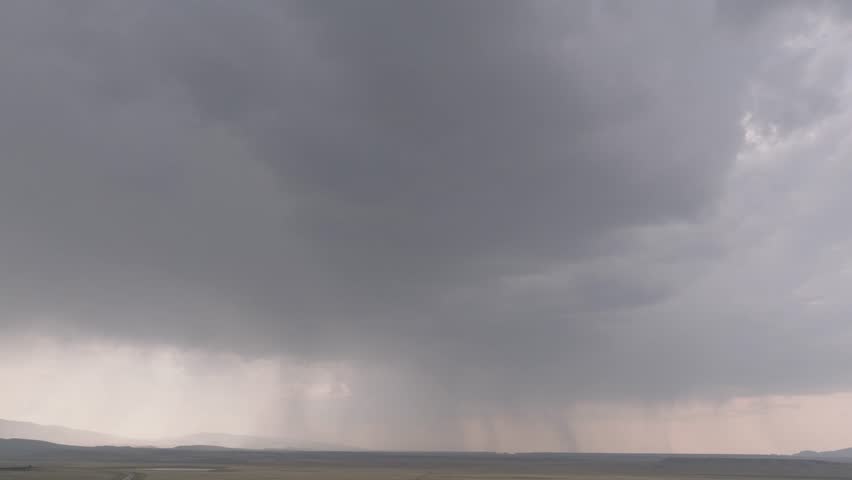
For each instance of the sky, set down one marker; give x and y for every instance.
(480, 225)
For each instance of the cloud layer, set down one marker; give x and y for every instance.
(480, 208)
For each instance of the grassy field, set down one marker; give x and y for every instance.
(54, 462)
(361, 472)
(298, 473)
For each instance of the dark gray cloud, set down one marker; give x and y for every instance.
(501, 198)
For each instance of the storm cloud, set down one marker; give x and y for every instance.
(483, 207)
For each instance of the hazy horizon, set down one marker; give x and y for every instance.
(606, 226)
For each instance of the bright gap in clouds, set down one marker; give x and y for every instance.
(153, 393)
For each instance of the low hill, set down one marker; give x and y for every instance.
(17, 454)
(22, 447)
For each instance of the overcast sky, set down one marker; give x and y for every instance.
(488, 224)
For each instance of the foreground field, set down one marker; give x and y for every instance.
(55, 462)
(60, 472)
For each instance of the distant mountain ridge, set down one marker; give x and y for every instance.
(61, 435)
(84, 438)
(248, 442)
(844, 453)
(201, 447)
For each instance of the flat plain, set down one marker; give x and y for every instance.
(59, 462)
